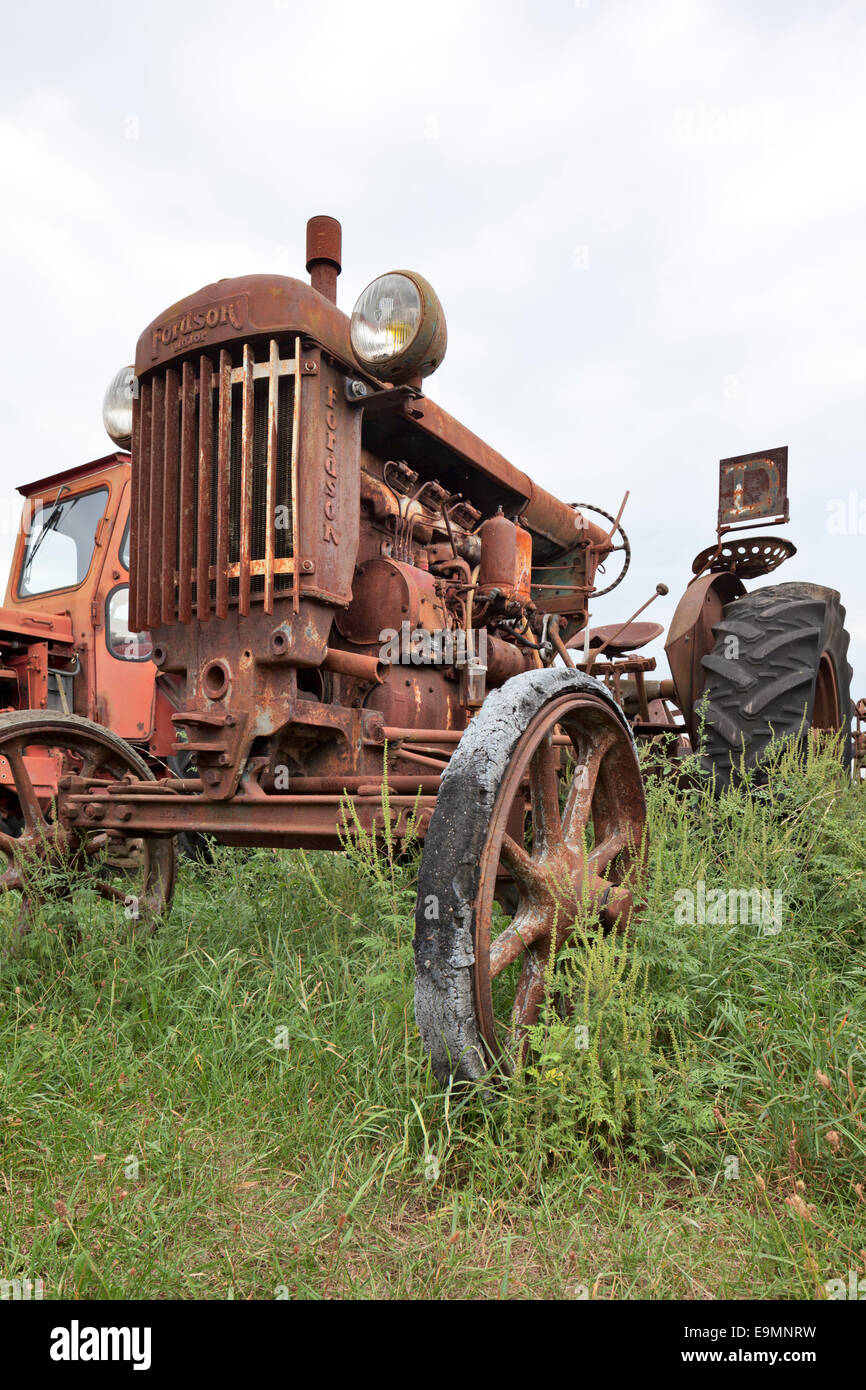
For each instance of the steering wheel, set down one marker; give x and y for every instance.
(626, 544)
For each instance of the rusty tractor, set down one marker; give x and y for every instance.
(349, 587)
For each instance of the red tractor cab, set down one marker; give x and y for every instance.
(65, 641)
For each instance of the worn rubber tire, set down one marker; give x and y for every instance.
(768, 690)
(444, 948)
(36, 717)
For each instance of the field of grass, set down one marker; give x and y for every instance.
(240, 1106)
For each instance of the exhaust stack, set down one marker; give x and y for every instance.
(324, 248)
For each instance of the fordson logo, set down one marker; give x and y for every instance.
(194, 326)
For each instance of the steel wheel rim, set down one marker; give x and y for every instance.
(604, 748)
(826, 714)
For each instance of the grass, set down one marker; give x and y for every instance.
(240, 1107)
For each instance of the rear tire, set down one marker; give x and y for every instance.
(779, 669)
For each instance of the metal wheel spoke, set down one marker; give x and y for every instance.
(11, 881)
(519, 863)
(603, 854)
(544, 785)
(530, 994)
(108, 891)
(33, 817)
(578, 805)
(8, 845)
(521, 933)
(618, 908)
(594, 890)
(93, 846)
(89, 763)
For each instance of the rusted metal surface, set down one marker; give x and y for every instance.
(307, 565)
(690, 637)
(249, 307)
(314, 820)
(355, 664)
(324, 253)
(184, 551)
(308, 544)
(748, 559)
(544, 515)
(619, 637)
(860, 740)
(504, 660)
(753, 487)
(387, 593)
(197, 463)
(559, 882)
(276, 633)
(205, 501)
(506, 560)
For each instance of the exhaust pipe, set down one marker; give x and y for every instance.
(324, 249)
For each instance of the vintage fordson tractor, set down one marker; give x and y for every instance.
(348, 586)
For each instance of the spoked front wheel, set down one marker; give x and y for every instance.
(541, 813)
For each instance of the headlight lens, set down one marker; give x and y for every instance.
(398, 327)
(385, 318)
(117, 408)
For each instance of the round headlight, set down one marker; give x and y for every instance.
(398, 327)
(117, 408)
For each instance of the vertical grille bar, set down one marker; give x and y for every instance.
(246, 499)
(140, 497)
(270, 500)
(187, 494)
(224, 446)
(169, 496)
(205, 473)
(215, 451)
(296, 431)
(154, 539)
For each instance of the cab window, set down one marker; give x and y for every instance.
(60, 542)
(124, 547)
(125, 645)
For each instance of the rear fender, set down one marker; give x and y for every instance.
(690, 637)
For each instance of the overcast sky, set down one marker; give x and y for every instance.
(646, 222)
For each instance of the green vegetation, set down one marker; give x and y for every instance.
(240, 1106)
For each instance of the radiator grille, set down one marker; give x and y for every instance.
(213, 523)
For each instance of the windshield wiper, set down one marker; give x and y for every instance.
(49, 525)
